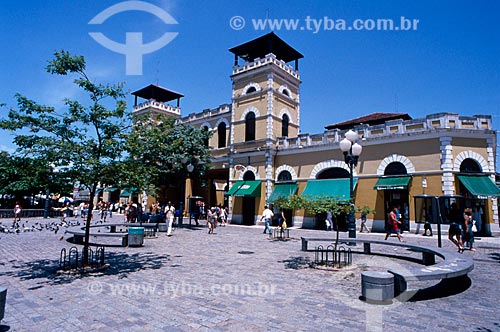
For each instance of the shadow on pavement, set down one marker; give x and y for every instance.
(297, 263)
(4, 328)
(122, 264)
(495, 256)
(192, 227)
(445, 288)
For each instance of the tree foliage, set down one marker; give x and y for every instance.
(316, 205)
(85, 141)
(166, 146)
(365, 209)
(22, 176)
(313, 204)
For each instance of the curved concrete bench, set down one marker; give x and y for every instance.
(453, 265)
(79, 233)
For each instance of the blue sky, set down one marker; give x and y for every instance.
(451, 63)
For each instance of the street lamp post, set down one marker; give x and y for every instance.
(52, 169)
(46, 209)
(189, 169)
(351, 150)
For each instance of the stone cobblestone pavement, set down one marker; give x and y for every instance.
(234, 280)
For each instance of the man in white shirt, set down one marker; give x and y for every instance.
(169, 213)
(267, 215)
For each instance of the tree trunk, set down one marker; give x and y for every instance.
(87, 228)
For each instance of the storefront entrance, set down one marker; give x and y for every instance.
(398, 198)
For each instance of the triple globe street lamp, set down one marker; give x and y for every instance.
(352, 151)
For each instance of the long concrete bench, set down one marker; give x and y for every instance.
(453, 264)
(428, 253)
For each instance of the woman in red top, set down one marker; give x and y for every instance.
(393, 220)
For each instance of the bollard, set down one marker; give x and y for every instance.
(377, 287)
(3, 299)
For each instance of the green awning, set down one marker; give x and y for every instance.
(245, 188)
(125, 193)
(337, 188)
(110, 189)
(482, 187)
(392, 183)
(282, 190)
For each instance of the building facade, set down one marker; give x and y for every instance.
(259, 154)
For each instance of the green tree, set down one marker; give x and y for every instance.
(165, 147)
(24, 176)
(86, 141)
(315, 205)
(365, 209)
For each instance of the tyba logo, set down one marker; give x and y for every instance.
(133, 48)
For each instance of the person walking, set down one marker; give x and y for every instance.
(399, 218)
(363, 223)
(211, 220)
(328, 221)
(454, 232)
(282, 220)
(393, 224)
(170, 215)
(468, 234)
(223, 216)
(267, 215)
(17, 211)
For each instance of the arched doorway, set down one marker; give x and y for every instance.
(397, 195)
(471, 167)
(339, 221)
(284, 179)
(248, 203)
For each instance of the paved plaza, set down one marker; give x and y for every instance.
(234, 280)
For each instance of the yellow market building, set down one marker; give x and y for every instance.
(258, 152)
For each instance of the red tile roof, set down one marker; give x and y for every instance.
(370, 119)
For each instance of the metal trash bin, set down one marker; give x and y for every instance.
(3, 299)
(135, 236)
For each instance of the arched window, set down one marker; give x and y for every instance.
(221, 131)
(250, 90)
(250, 127)
(248, 176)
(286, 92)
(205, 139)
(395, 168)
(285, 121)
(469, 166)
(333, 173)
(284, 176)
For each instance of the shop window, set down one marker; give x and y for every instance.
(395, 168)
(284, 176)
(470, 166)
(333, 173)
